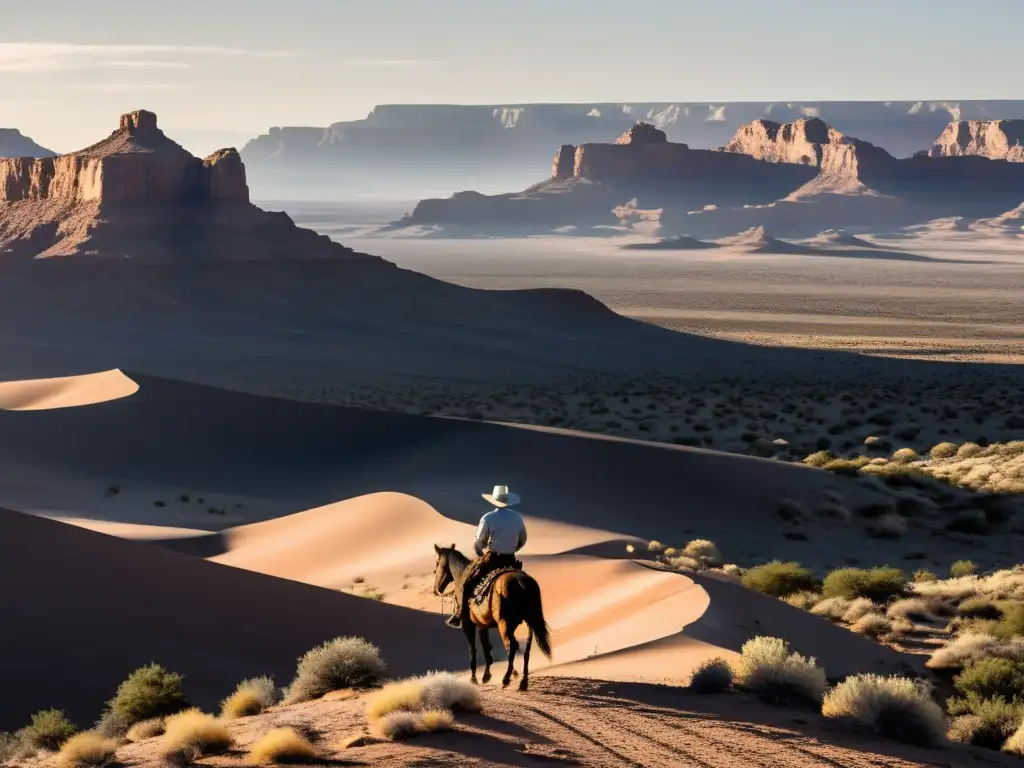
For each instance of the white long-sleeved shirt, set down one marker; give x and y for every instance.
(501, 530)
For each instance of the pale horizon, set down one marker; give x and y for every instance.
(219, 75)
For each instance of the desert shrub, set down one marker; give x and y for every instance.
(403, 724)
(896, 707)
(805, 601)
(905, 456)
(1010, 625)
(979, 608)
(943, 450)
(872, 625)
(832, 608)
(968, 451)
(731, 569)
(846, 467)
(150, 691)
(768, 668)
(704, 551)
(10, 746)
(987, 722)
(49, 729)
(857, 608)
(282, 745)
(250, 698)
(988, 678)
(194, 732)
(972, 646)
(779, 579)
(684, 563)
(146, 729)
(876, 584)
(820, 459)
(712, 676)
(910, 609)
(439, 690)
(1015, 744)
(345, 662)
(87, 749)
(923, 574)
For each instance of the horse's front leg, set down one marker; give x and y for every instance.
(470, 629)
(485, 642)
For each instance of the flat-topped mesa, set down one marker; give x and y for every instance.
(641, 153)
(136, 163)
(994, 139)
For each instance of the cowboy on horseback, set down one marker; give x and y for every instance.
(499, 536)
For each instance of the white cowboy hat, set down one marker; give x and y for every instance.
(500, 497)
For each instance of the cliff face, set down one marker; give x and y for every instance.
(994, 139)
(506, 146)
(137, 162)
(139, 195)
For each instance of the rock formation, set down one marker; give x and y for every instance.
(767, 171)
(14, 144)
(139, 194)
(994, 139)
(136, 162)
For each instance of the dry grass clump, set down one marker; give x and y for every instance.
(146, 729)
(438, 690)
(805, 601)
(779, 579)
(943, 450)
(712, 676)
(87, 749)
(403, 724)
(282, 745)
(910, 609)
(768, 668)
(832, 608)
(971, 647)
(703, 551)
(873, 625)
(876, 584)
(905, 456)
(1015, 744)
(968, 451)
(896, 707)
(193, 733)
(251, 697)
(858, 608)
(49, 730)
(685, 563)
(962, 568)
(890, 526)
(345, 662)
(820, 459)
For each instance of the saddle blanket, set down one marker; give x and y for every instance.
(483, 590)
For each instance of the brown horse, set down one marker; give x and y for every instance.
(514, 600)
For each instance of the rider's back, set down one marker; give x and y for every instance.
(503, 531)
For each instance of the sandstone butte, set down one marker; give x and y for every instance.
(137, 193)
(994, 139)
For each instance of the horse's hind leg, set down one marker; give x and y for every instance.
(470, 629)
(485, 642)
(525, 682)
(508, 635)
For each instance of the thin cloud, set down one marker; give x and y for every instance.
(143, 64)
(58, 57)
(388, 63)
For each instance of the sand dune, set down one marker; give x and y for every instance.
(90, 608)
(279, 456)
(66, 392)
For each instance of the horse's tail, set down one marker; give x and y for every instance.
(533, 614)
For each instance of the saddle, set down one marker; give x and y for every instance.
(483, 590)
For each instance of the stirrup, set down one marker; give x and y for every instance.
(454, 621)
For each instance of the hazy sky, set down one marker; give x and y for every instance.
(219, 71)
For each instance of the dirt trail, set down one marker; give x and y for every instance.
(568, 721)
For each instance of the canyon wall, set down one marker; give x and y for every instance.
(136, 162)
(994, 139)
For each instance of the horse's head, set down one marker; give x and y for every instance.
(443, 569)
